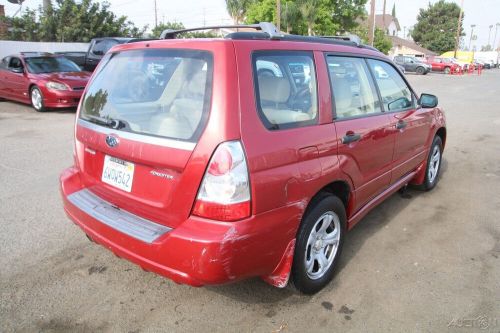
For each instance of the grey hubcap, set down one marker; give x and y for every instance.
(322, 245)
(434, 162)
(36, 99)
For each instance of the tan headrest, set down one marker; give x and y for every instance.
(342, 93)
(274, 89)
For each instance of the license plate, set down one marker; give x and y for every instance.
(118, 173)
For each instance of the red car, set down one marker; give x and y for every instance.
(195, 164)
(42, 80)
(445, 65)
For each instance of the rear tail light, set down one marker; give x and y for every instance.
(224, 193)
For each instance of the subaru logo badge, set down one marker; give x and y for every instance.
(112, 141)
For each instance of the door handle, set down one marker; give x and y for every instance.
(401, 124)
(351, 137)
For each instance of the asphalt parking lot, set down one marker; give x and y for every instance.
(424, 262)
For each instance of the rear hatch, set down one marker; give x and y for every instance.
(139, 122)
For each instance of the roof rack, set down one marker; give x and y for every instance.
(352, 38)
(265, 27)
(268, 31)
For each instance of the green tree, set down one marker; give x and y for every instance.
(237, 9)
(289, 15)
(261, 11)
(156, 32)
(380, 41)
(179, 26)
(436, 26)
(312, 17)
(346, 12)
(25, 27)
(309, 12)
(68, 21)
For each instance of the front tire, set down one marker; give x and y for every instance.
(319, 244)
(420, 70)
(37, 99)
(433, 169)
(447, 70)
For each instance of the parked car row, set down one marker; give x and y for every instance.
(47, 80)
(442, 64)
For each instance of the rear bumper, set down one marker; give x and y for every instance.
(198, 251)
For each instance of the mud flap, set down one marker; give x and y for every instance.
(279, 277)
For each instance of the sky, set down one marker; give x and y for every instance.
(191, 13)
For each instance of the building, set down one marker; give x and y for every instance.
(387, 23)
(401, 46)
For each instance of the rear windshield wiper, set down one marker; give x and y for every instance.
(110, 122)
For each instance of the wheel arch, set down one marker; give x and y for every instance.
(441, 132)
(340, 188)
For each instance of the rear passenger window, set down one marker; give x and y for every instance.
(353, 90)
(395, 93)
(285, 85)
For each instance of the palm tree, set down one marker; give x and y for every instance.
(308, 10)
(290, 15)
(237, 9)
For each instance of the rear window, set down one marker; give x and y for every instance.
(163, 93)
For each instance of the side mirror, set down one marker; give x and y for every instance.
(19, 70)
(428, 101)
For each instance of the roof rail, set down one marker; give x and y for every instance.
(266, 27)
(352, 38)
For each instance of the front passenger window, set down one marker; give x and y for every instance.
(396, 95)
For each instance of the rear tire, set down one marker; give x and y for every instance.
(447, 70)
(36, 98)
(433, 168)
(319, 244)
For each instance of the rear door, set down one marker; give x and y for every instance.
(410, 125)
(367, 140)
(138, 125)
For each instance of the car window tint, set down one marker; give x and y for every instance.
(59, 64)
(285, 84)
(353, 91)
(159, 92)
(15, 63)
(394, 92)
(103, 46)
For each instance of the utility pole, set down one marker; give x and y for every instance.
(495, 39)
(472, 26)
(383, 16)
(459, 26)
(204, 17)
(489, 34)
(404, 32)
(278, 14)
(156, 16)
(371, 23)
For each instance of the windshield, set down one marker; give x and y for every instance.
(160, 92)
(37, 65)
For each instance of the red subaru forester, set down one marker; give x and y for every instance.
(213, 160)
